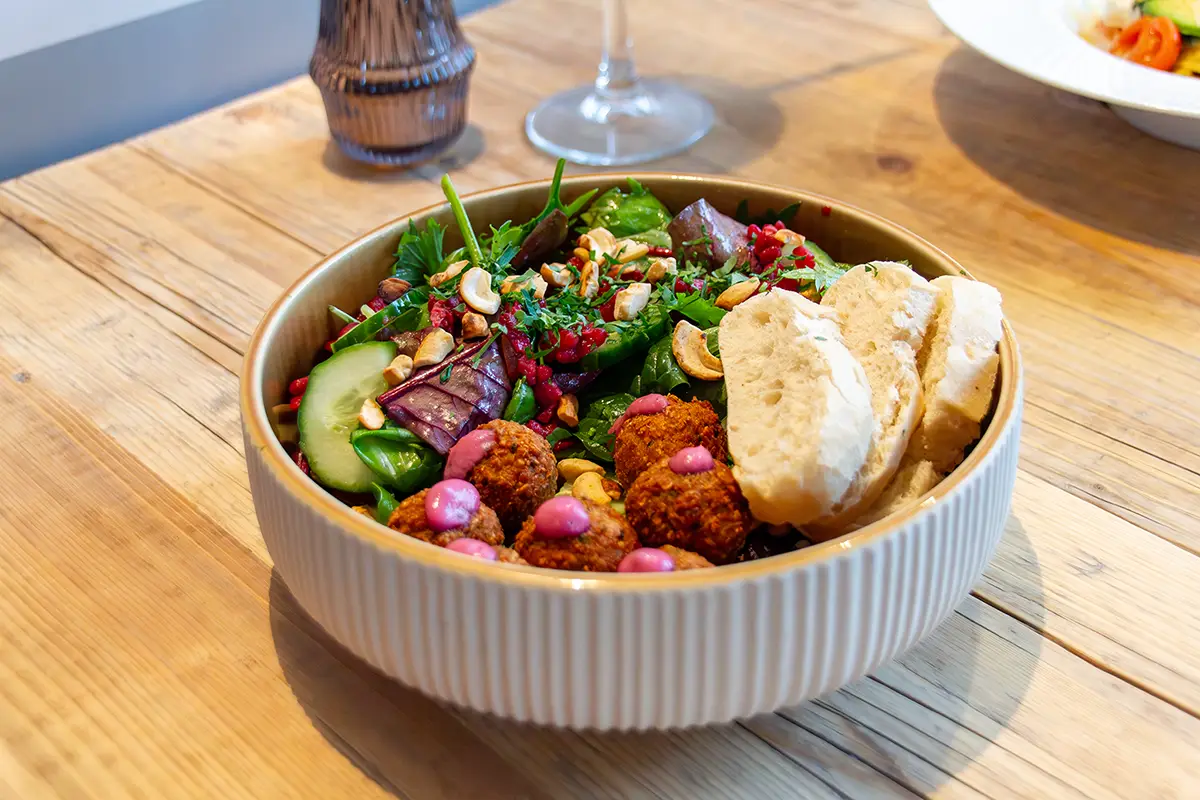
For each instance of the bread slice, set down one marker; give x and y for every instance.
(799, 406)
(912, 480)
(885, 310)
(958, 370)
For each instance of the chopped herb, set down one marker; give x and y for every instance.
(419, 253)
(445, 376)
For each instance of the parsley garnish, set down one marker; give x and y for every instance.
(445, 375)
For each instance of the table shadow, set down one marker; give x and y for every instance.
(964, 672)
(1070, 154)
(469, 147)
(969, 671)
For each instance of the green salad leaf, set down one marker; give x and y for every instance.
(769, 217)
(399, 457)
(522, 406)
(627, 339)
(625, 214)
(419, 253)
(385, 503)
(601, 413)
(661, 373)
(406, 313)
(692, 305)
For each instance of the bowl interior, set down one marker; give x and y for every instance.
(298, 324)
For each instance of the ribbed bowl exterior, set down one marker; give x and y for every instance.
(661, 659)
(596, 651)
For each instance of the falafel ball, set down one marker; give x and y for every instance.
(409, 518)
(506, 555)
(704, 512)
(517, 475)
(599, 548)
(686, 559)
(646, 439)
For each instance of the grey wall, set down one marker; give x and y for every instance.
(72, 97)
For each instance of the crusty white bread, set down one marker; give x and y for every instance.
(958, 370)
(799, 406)
(885, 310)
(913, 479)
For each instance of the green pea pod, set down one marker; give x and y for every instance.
(629, 338)
(522, 406)
(661, 374)
(385, 503)
(399, 457)
(402, 314)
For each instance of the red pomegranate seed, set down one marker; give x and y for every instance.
(546, 416)
(298, 386)
(565, 444)
(769, 254)
(538, 428)
(661, 252)
(528, 368)
(826, 211)
(753, 230)
(302, 462)
(544, 373)
(576, 262)
(769, 230)
(595, 336)
(547, 395)
(377, 304)
(295, 402)
(567, 338)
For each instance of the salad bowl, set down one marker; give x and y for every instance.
(1041, 40)
(611, 650)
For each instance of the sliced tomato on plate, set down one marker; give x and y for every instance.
(1150, 41)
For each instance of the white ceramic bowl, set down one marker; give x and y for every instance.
(1040, 39)
(608, 650)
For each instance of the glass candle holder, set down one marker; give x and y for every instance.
(393, 75)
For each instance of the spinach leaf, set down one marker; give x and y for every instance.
(402, 314)
(592, 432)
(399, 457)
(692, 305)
(385, 503)
(522, 406)
(626, 214)
(661, 374)
(419, 253)
(768, 217)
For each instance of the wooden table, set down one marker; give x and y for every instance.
(149, 651)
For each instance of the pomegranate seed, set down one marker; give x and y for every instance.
(546, 416)
(547, 394)
(377, 304)
(769, 254)
(780, 226)
(528, 368)
(753, 230)
(791, 284)
(567, 338)
(608, 309)
(661, 252)
(295, 402)
(302, 462)
(349, 327)
(576, 262)
(544, 373)
(826, 211)
(635, 275)
(769, 230)
(565, 444)
(595, 336)
(569, 356)
(538, 428)
(298, 386)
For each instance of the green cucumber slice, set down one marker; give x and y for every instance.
(329, 413)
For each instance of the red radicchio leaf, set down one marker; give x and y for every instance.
(441, 411)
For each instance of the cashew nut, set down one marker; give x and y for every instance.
(690, 349)
(474, 326)
(568, 410)
(784, 236)
(631, 300)
(571, 468)
(557, 275)
(631, 250)
(449, 272)
(371, 415)
(738, 293)
(476, 290)
(398, 371)
(590, 486)
(434, 348)
(589, 279)
(660, 268)
(598, 241)
(537, 282)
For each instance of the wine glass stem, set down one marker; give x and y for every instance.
(617, 73)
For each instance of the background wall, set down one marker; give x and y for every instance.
(79, 74)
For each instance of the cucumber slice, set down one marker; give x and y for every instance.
(329, 413)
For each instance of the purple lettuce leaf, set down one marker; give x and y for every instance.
(444, 402)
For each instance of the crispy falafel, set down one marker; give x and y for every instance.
(599, 549)
(517, 474)
(409, 518)
(647, 438)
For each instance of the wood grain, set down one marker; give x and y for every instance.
(152, 652)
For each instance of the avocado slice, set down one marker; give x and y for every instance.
(1184, 13)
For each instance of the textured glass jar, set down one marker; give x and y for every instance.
(393, 75)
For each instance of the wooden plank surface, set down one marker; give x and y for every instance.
(151, 652)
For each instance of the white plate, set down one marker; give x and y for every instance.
(1040, 39)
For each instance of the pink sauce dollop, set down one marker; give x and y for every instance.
(691, 460)
(561, 517)
(450, 504)
(474, 548)
(647, 559)
(649, 404)
(467, 452)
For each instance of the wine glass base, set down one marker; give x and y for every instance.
(654, 120)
